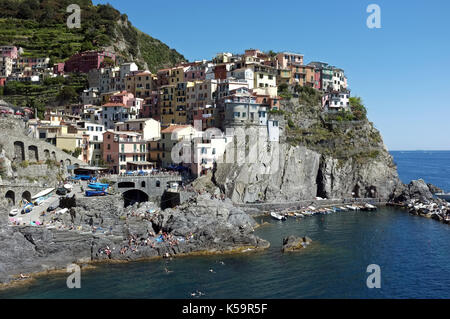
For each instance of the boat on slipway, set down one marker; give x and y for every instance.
(95, 193)
(43, 193)
(98, 186)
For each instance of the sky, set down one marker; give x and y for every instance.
(401, 70)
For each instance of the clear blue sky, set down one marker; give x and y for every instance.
(401, 71)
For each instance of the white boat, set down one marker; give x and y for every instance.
(277, 216)
(43, 193)
(13, 212)
(444, 196)
(300, 215)
(370, 207)
(351, 207)
(62, 211)
(68, 186)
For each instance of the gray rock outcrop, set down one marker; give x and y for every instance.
(293, 243)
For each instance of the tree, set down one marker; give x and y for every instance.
(67, 95)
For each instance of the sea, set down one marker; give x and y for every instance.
(411, 255)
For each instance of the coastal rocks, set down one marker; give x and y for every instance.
(416, 189)
(293, 243)
(419, 189)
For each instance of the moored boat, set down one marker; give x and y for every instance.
(277, 216)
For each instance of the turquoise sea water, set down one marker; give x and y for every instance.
(413, 253)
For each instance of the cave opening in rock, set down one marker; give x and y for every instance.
(134, 196)
(321, 192)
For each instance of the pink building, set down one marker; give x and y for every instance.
(86, 61)
(9, 51)
(195, 73)
(122, 148)
(58, 68)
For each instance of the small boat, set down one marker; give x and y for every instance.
(299, 215)
(369, 207)
(95, 193)
(13, 212)
(352, 207)
(43, 193)
(27, 208)
(69, 187)
(277, 216)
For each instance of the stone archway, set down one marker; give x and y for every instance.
(134, 196)
(47, 154)
(54, 155)
(26, 195)
(19, 151)
(68, 162)
(33, 155)
(143, 184)
(11, 197)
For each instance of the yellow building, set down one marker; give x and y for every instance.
(181, 103)
(140, 84)
(284, 76)
(167, 104)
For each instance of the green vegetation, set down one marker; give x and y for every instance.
(39, 27)
(24, 164)
(283, 91)
(308, 95)
(77, 152)
(358, 109)
(53, 91)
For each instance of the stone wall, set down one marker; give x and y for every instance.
(154, 186)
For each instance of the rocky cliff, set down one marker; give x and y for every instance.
(330, 155)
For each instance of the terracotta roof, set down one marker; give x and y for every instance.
(172, 128)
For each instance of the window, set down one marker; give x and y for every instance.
(109, 146)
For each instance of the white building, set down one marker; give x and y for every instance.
(336, 101)
(339, 82)
(6, 66)
(245, 74)
(149, 128)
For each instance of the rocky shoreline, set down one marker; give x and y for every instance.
(101, 230)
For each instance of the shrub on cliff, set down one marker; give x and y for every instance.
(358, 109)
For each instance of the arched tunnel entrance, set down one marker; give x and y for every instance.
(134, 196)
